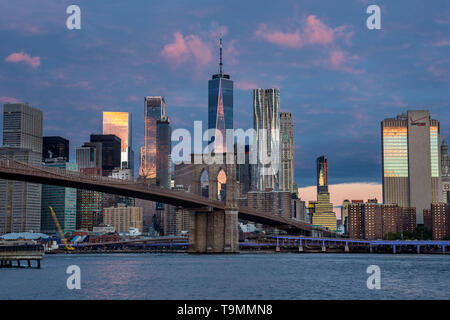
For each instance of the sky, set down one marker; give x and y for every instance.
(338, 78)
(345, 191)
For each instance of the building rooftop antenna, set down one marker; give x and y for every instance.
(220, 47)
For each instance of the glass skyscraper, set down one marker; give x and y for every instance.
(119, 124)
(55, 147)
(286, 152)
(220, 104)
(445, 172)
(266, 122)
(411, 170)
(63, 201)
(155, 109)
(163, 138)
(20, 202)
(323, 215)
(322, 174)
(22, 126)
(110, 151)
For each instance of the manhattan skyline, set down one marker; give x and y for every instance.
(338, 78)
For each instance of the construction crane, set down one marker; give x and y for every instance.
(63, 239)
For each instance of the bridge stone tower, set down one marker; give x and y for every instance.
(212, 230)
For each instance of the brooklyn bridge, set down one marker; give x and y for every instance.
(213, 223)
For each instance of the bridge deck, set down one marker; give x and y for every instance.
(14, 170)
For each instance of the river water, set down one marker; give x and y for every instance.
(243, 276)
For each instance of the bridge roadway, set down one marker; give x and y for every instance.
(15, 170)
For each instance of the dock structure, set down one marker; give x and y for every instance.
(12, 253)
(346, 245)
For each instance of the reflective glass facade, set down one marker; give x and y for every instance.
(55, 147)
(155, 109)
(119, 124)
(395, 151)
(110, 145)
(434, 151)
(63, 201)
(322, 174)
(22, 126)
(163, 138)
(266, 116)
(220, 104)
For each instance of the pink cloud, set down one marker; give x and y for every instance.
(25, 29)
(176, 50)
(339, 60)
(5, 99)
(187, 47)
(16, 57)
(436, 71)
(132, 99)
(316, 32)
(199, 49)
(292, 40)
(313, 32)
(244, 85)
(442, 43)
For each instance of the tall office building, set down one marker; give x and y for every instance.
(286, 152)
(163, 138)
(55, 147)
(344, 215)
(445, 172)
(273, 202)
(266, 122)
(141, 160)
(22, 126)
(176, 220)
(220, 104)
(89, 155)
(298, 209)
(411, 161)
(20, 202)
(120, 124)
(111, 154)
(89, 204)
(323, 215)
(322, 174)
(62, 200)
(155, 109)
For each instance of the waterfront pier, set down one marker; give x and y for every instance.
(13, 253)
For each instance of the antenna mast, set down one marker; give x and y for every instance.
(220, 64)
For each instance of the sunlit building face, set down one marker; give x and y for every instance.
(434, 150)
(411, 162)
(395, 151)
(154, 110)
(266, 122)
(119, 124)
(322, 174)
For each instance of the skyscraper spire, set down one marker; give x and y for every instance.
(220, 63)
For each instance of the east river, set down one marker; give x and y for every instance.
(242, 276)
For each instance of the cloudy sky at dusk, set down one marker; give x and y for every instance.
(338, 78)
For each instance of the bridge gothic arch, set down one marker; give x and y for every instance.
(214, 231)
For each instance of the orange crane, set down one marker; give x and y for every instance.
(63, 239)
